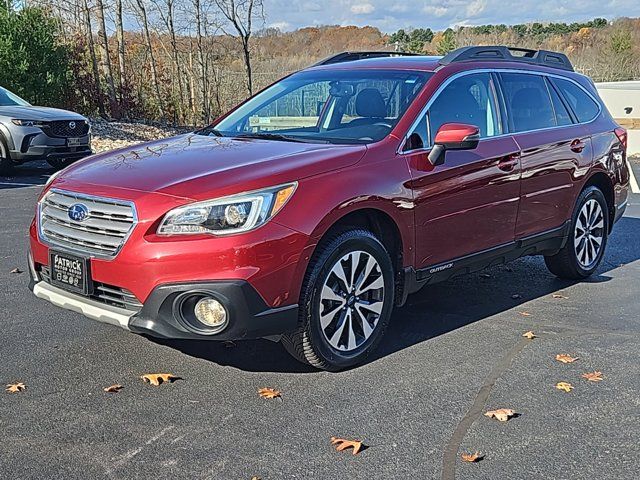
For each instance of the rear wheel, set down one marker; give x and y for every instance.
(585, 247)
(346, 302)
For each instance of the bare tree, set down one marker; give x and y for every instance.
(142, 9)
(121, 49)
(105, 57)
(241, 14)
(92, 53)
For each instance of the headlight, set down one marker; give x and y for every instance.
(228, 215)
(28, 123)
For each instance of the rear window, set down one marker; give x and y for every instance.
(562, 114)
(528, 102)
(581, 103)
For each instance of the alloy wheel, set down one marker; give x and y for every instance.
(351, 301)
(589, 233)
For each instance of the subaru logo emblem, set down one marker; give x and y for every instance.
(72, 125)
(78, 212)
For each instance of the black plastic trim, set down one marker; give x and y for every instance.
(500, 53)
(546, 243)
(249, 316)
(353, 56)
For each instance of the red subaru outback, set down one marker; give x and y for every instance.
(312, 209)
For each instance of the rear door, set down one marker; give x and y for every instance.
(555, 151)
(469, 203)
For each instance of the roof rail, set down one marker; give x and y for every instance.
(506, 54)
(352, 56)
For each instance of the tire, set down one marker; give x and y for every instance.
(6, 165)
(341, 320)
(582, 255)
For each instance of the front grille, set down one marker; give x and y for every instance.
(105, 293)
(67, 128)
(101, 233)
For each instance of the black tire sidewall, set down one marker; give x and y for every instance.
(588, 194)
(349, 241)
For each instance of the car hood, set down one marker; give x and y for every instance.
(197, 166)
(30, 112)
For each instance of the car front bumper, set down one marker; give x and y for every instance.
(36, 145)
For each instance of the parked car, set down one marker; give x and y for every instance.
(30, 133)
(310, 211)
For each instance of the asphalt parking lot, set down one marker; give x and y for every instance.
(453, 352)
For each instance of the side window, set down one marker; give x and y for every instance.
(528, 101)
(562, 114)
(582, 104)
(468, 99)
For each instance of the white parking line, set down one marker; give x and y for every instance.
(632, 180)
(14, 184)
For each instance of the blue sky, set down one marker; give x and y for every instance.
(390, 15)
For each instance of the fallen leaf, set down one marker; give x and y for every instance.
(113, 388)
(158, 378)
(472, 457)
(525, 314)
(530, 335)
(342, 444)
(16, 270)
(557, 295)
(501, 414)
(16, 387)
(564, 358)
(593, 376)
(515, 296)
(269, 393)
(255, 478)
(567, 387)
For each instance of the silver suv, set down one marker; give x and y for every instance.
(40, 133)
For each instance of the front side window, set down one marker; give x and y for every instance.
(8, 99)
(528, 101)
(468, 99)
(582, 104)
(327, 106)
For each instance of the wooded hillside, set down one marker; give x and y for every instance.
(187, 61)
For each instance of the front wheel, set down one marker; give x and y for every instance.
(587, 239)
(346, 302)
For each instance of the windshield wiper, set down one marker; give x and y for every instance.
(209, 131)
(270, 136)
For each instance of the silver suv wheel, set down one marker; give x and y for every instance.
(589, 233)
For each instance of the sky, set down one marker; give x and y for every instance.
(391, 15)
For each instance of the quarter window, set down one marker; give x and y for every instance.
(468, 99)
(528, 102)
(582, 104)
(562, 114)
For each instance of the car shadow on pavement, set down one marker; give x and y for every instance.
(435, 310)
(27, 175)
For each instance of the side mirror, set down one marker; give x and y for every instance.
(453, 136)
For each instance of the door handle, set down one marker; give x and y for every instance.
(509, 162)
(577, 146)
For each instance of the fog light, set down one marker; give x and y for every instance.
(211, 313)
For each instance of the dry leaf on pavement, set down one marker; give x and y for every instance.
(557, 295)
(567, 387)
(525, 314)
(501, 414)
(16, 270)
(269, 393)
(530, 335)
(158, 378)
(342, 444)
(564, 358)
(113, 388)
(593, 376)
(16, 387)
(472, 457)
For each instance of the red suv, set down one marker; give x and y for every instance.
(312, 209)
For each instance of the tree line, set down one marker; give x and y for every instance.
(187, 61)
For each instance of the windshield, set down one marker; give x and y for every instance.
(8, 99)
(326, 106)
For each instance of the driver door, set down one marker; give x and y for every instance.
(469, 203)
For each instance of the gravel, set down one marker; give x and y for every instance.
(111, 135)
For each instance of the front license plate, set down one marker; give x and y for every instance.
(69, 272)
(74, 142)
